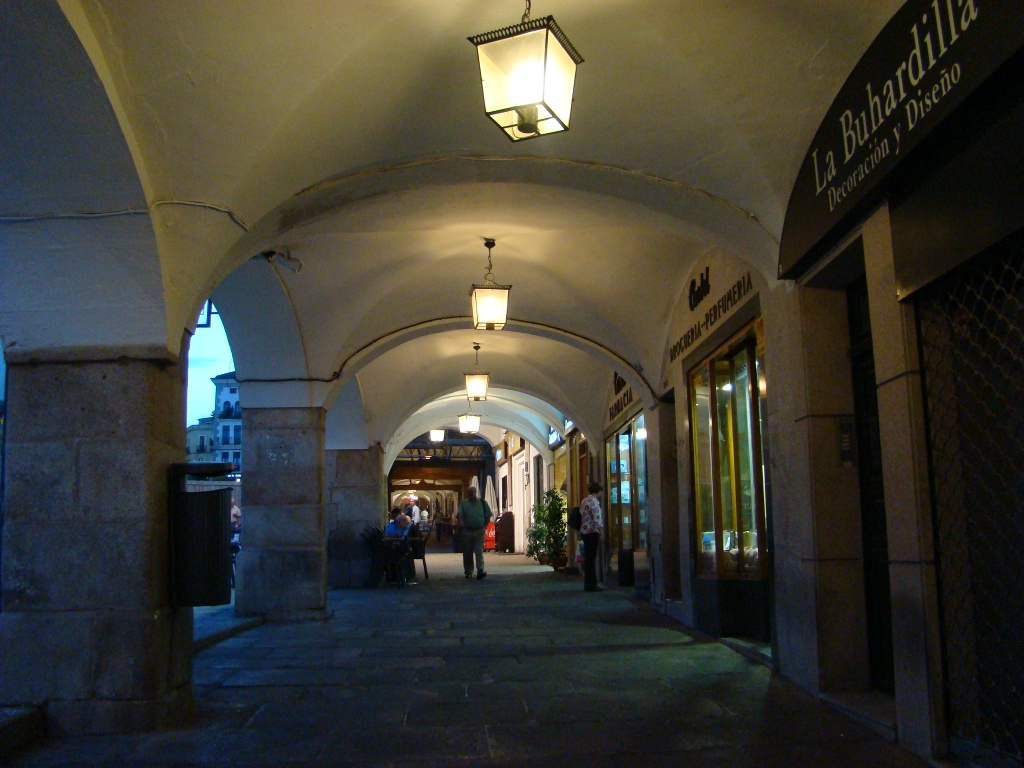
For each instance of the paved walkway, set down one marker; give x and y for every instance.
(521, 669)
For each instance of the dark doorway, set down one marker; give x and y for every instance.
(872, 495)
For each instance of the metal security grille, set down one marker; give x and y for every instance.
(972, 343)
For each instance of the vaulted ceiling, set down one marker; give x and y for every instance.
(152, 149)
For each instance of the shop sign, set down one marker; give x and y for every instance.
(700, 290)
(702, 323)
(622, 398)
(924, 63)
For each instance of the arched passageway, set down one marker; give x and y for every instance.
(326, 174)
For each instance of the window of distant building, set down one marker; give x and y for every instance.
(225, 434)
(223, 455)
(238, 434)
(233, 390)
(237, 457)
(202, 443)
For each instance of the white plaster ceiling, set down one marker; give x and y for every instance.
(353, 134)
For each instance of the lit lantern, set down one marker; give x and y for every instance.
(476, 386)
(528, 72)
(490, 300)
(469, 422)
(476, 382)
(436, 435)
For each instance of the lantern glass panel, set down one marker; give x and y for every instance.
(559, 79)
(512, 70)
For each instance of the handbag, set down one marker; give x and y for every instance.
(575, 519)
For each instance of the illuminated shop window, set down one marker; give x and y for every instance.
(627, 486)
(726, 400)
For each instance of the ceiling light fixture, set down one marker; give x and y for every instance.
(528, 72)
(437, 435)
(476, 382)
(490, 300)
(469, 422)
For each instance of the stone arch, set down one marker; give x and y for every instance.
(80, 273)
(524, 414)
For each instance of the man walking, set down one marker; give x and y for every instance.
(474, 514)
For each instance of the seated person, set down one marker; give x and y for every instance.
(399, 527)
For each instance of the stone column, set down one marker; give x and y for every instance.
(817, 557)
(681, 606)
(912, 576)
(86, 629)
(280, 572)
(663, 502)
(356, 497)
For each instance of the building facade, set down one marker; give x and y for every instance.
(199, 443)
(226, 420)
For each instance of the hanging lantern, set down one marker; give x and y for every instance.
(476, 382)
(528, 72)
(437, 435)
(469, 422)
(490, 300)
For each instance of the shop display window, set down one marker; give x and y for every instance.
(627, 486)
(726, 396)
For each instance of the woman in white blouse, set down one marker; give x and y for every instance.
(590, 532)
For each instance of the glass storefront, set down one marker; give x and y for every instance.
(627, 486)
(727, 398)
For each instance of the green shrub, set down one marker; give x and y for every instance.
(549, 532)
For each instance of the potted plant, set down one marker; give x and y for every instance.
(536, 541)
(551, 532)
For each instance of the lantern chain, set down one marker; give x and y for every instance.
(490, 244)
(526, 16)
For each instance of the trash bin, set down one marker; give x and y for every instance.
(199, 538)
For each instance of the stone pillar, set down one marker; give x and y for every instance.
(86, 629)
(663, 498)
(818, 570)
(356, 496)
(912, 576)
(795, 617)
(280, 572)
(681, 606)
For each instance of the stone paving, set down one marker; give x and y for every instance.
(520, 669)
